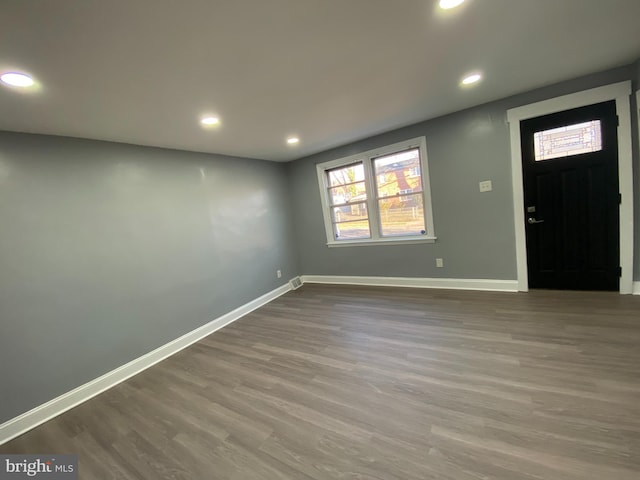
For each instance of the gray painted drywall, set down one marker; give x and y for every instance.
(108, 251)
(475, 230)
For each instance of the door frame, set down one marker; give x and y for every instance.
(636, 284)
(620, 92)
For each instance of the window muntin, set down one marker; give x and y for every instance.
(568, 140)
(379, 196)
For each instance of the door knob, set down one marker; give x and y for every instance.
(532, 221)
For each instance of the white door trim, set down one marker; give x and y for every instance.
(620, 92)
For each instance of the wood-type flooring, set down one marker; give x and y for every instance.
(342, 382)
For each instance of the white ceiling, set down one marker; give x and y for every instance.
(329, 71)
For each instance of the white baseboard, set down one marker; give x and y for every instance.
(636, 288)
(451, 283)
(28, 420)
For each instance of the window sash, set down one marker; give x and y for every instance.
(398, 173)
(407, 173)
(404, 200)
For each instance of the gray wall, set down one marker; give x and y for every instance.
(475, 231)
(108, 251)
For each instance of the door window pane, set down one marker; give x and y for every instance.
(568, 140)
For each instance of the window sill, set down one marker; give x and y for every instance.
(389, 241)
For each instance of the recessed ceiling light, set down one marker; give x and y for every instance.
(16, 79)
(293, 140)
(210, 120)
(471, 79)
(447, 4)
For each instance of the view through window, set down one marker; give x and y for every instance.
(348, 200)
(399, 193)
(378, 196)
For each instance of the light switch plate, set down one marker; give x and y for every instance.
(485, 186)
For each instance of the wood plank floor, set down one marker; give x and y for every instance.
(333, 382)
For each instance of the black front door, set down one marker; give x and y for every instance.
(570, 171)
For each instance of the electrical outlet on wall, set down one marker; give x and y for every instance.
(439, 263)
(485, 186)
(279, 273)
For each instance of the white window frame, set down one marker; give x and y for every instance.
(372, 205)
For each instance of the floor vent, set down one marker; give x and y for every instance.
(296, 283)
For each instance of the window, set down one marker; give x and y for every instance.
(569, 140)
(348, 201)
(379, 196)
